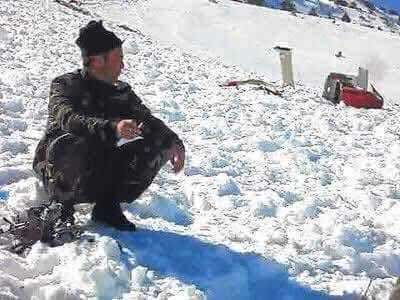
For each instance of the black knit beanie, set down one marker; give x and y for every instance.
(94, 39)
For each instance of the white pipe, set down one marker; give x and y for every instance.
(285, 55)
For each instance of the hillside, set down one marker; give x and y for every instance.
(285, 197)
(362, 12)
(245, 35)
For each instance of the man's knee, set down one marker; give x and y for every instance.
(66, 146)
(140, 165)
(129, 192)
(142, 157)
(66, 162)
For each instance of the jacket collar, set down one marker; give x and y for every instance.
(101, 86)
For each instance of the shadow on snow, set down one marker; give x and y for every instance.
(217, 270)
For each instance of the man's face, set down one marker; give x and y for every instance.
(114, 63)
(109, 64)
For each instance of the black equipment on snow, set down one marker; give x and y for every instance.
(44, 223)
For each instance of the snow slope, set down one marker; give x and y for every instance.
(281, 198)
(244, 35)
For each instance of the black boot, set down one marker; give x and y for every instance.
(112, 215)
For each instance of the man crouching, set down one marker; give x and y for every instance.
(89, 111)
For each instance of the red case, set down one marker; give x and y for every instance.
(360, 98)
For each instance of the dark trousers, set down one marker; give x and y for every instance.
(79, 171)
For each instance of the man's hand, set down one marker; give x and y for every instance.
(128, 129)
(177, 156)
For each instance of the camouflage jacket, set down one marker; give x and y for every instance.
(87, 107)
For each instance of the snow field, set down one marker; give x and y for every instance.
(279, 195)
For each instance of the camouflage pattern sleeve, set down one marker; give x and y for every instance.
(62, 112)
(154, 128)
(162, 135)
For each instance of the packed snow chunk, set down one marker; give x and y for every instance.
(174, 290)
(394, 192)
(108, 275)
(16, 124)
(362, 124)
(265, 204)
(58, 292)
(220, 159)
(200, 164)
(360, 241)
(103, 279)
(5, 35)
(4, 129)
(325, 178)
(314, 155)
(170, 109)
(139, 277)
(165, 208)
(189, 293)
(175, 116)
(13, 145)
(192, 170)
(289, 197)
(27, 192)
(43, 260)
(11, 175)
(19, 81)
(6, 294)
(131, 47)
(10, 287)
(276, 236)
(214, 128)
(111, 249)
(268, 146)
(18, 267)
(384, 261)
(197, 195)
(300, 211)
(15, 105)
(226, 185)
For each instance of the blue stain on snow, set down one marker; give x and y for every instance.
(4, 195)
